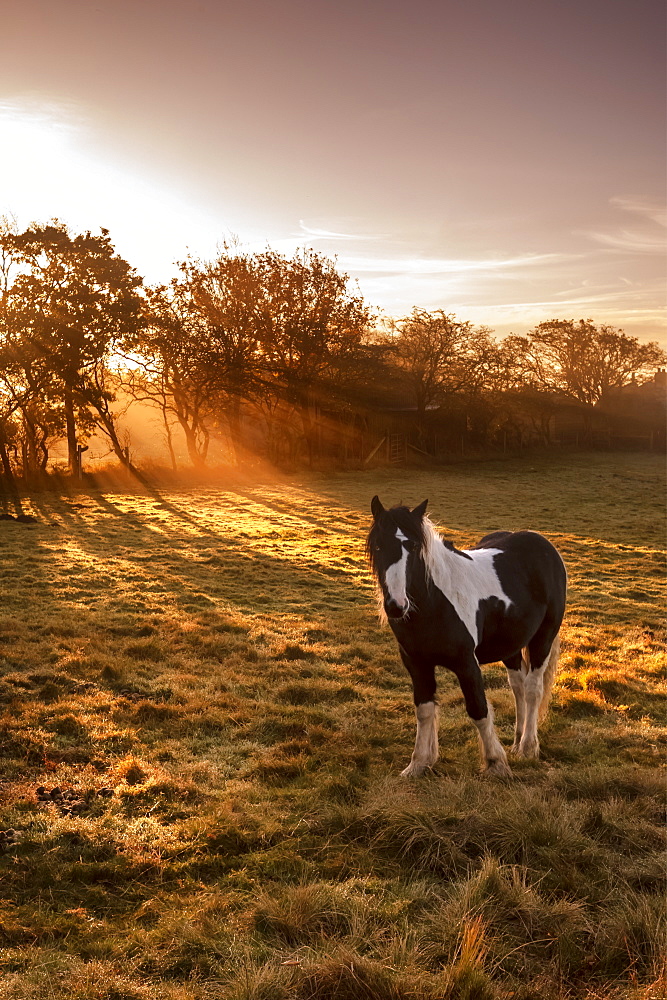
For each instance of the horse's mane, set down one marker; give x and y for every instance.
(437, 552)
(431, 541)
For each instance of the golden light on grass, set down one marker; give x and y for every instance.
(213, 663)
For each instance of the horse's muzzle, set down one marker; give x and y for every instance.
(395, 610)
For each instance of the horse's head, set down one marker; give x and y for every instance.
(395, 534)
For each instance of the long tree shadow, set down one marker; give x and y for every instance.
(286, 510)
(81, 600)
(175, 511)
(233, 569)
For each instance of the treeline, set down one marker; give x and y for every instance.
(253, 346)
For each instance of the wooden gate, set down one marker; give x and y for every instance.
(398, 448)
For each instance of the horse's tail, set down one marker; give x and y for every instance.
(549, 677)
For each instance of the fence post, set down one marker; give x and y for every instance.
(79, 464)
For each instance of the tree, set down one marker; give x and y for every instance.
(198, 352)
(170, 370)
(582, 360)
(70, 305)
(261, 328)
(225, 293)
(440, 355)
(309, 326)
(22, 378)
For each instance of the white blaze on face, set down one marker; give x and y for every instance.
(394, 577)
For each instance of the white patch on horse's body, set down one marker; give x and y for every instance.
(426, 743)
(464, 581)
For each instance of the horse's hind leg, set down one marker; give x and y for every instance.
(516, 671)
(425, 752)
(542, 659)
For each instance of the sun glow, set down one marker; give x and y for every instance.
(61, 161)
(50, 169)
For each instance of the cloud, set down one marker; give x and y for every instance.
(646, 238)
(327, 234)
(436, 266)
(631, 241)
(649, 209)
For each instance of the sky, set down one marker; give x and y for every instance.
(504, 161)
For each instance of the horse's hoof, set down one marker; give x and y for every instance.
(498, 769)
(414, 770)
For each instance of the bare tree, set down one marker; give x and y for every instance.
(440, 355)
(582, 360)
(194, 357)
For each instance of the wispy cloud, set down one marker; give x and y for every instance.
(647, 237)
(649, 209)
(314, 233)
(440, 265)
(631, 241)
(383, 254)
(481, 296)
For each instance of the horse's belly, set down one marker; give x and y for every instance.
(504, 634)
(497, 651)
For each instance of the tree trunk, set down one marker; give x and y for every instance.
(30, 462)
(170, 442)
(234, 421)
(6, 464)
(188, 418)
(122, 454)
(8, 489)
(70, 423)
(191, 443)
(307, 424)
(421, 422)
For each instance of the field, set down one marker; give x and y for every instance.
(202, 674)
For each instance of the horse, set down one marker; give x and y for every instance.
(501, 601)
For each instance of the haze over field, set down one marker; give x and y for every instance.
(506, 164)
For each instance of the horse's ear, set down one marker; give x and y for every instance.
(420, 510)
(376, 507)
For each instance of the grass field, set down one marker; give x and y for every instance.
(204, 678)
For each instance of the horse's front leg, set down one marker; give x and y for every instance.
(425, 753)
(481, 713)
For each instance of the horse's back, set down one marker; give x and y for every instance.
(490, 541)
(530, 558)
(530, 545)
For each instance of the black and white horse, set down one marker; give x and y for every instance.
(502, 600)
